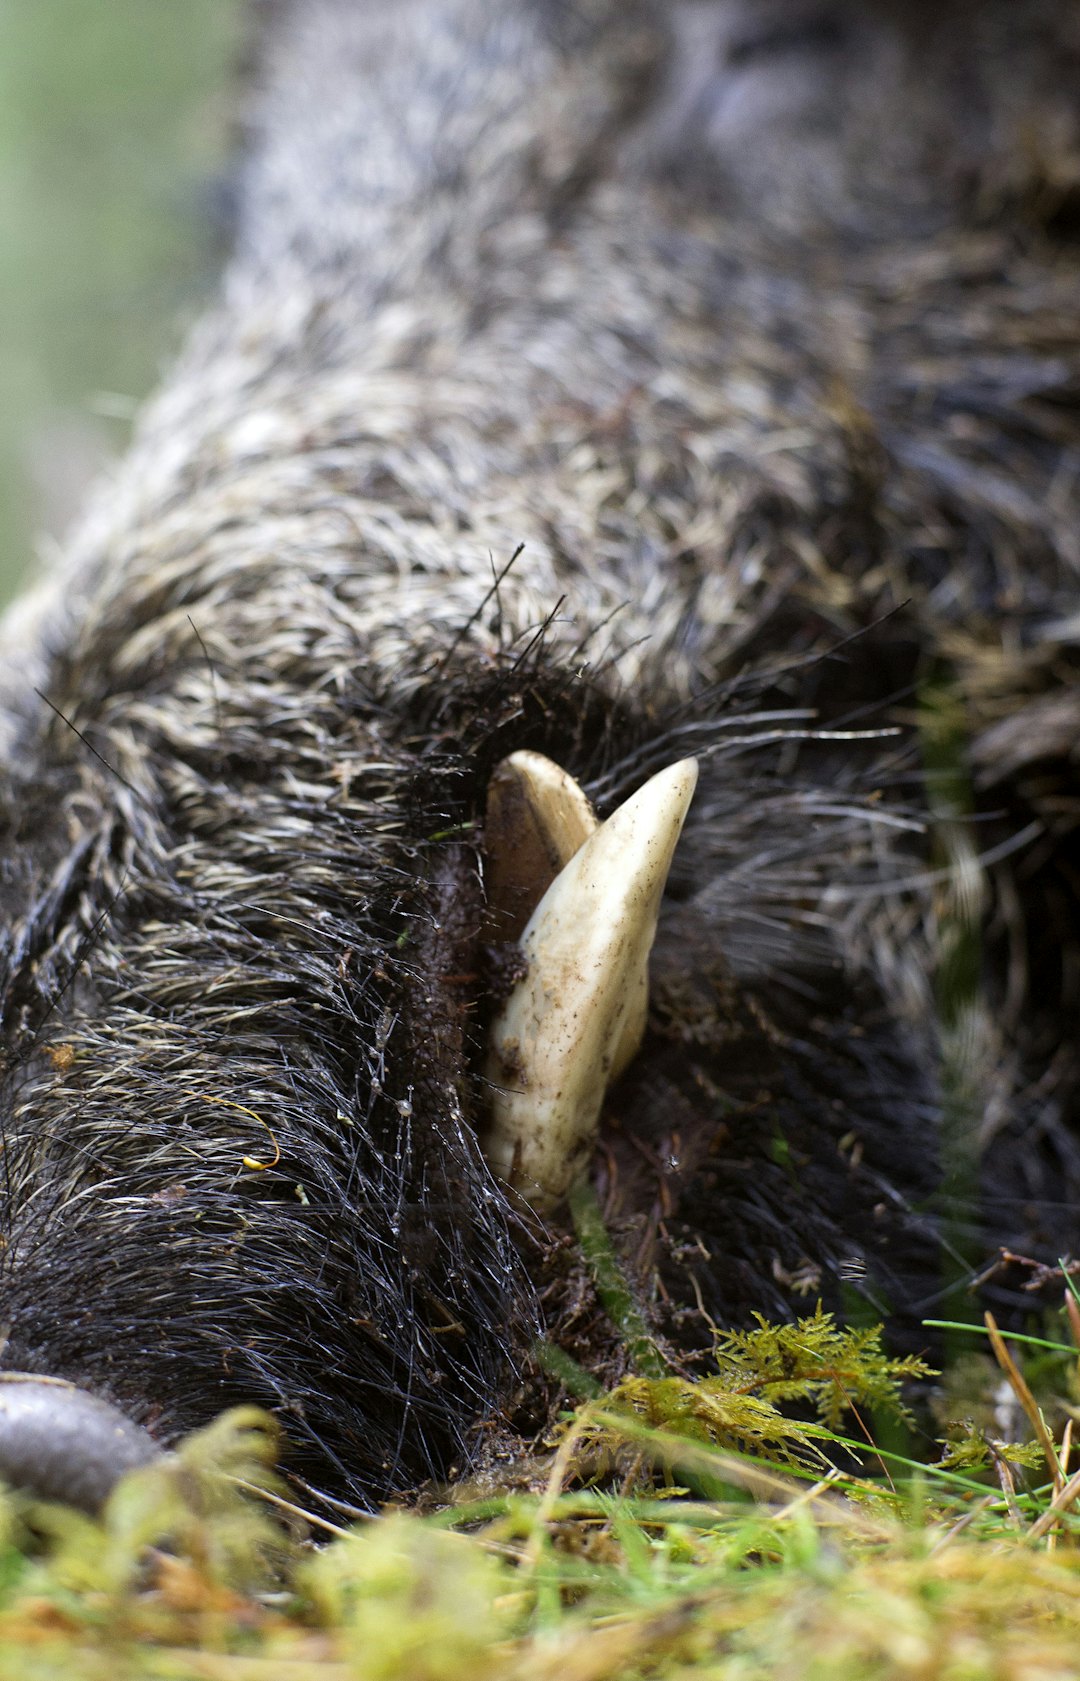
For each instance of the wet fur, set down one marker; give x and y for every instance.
(544, 408)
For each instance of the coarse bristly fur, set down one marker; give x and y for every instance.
(617, 380)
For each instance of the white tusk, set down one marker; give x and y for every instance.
(574, 1021)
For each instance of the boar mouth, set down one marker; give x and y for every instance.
(61, 1443)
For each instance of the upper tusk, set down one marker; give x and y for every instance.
(537, 818)
(576, 1018)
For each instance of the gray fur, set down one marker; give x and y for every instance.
(751, 328)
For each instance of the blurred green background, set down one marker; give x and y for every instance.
(115, 122)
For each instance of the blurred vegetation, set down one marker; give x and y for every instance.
(114, 129)
(744, 1526)
(638, 1544)
(727, 1529)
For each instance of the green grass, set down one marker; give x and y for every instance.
(600, 1559)
(747, 1524)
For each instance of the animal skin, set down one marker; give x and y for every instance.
(617, 382)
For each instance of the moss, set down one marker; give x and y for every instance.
(193, 1570)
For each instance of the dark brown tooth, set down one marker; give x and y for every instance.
(537, 817)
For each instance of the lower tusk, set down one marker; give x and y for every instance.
(575, 1020)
